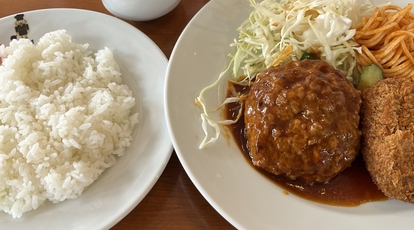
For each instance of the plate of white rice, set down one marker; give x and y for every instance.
(83, 136)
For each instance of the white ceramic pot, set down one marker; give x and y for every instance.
(140, 10)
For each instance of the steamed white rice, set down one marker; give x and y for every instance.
(65, 116)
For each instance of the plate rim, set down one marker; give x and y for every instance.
(179, 146)
(168, 149)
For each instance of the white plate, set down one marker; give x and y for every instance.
(220, 172)
(119, 189)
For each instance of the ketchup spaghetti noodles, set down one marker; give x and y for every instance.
(387, 39)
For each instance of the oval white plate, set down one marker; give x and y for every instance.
(119, 189)
(220, 172)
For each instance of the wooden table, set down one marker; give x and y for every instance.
(174, 202)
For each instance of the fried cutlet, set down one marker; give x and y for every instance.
(388, 137)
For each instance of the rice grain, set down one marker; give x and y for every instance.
(65, 117)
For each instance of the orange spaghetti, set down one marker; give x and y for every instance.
(387, 39)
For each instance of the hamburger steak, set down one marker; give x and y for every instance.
(388, 137)
(302, 121)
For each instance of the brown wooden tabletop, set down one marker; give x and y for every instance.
(174, 202)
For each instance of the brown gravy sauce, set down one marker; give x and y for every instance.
(351, 187)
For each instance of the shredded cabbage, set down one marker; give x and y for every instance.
(324, 27)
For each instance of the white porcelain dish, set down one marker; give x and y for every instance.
(220, 172)
(119, 189)
(140, 10)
